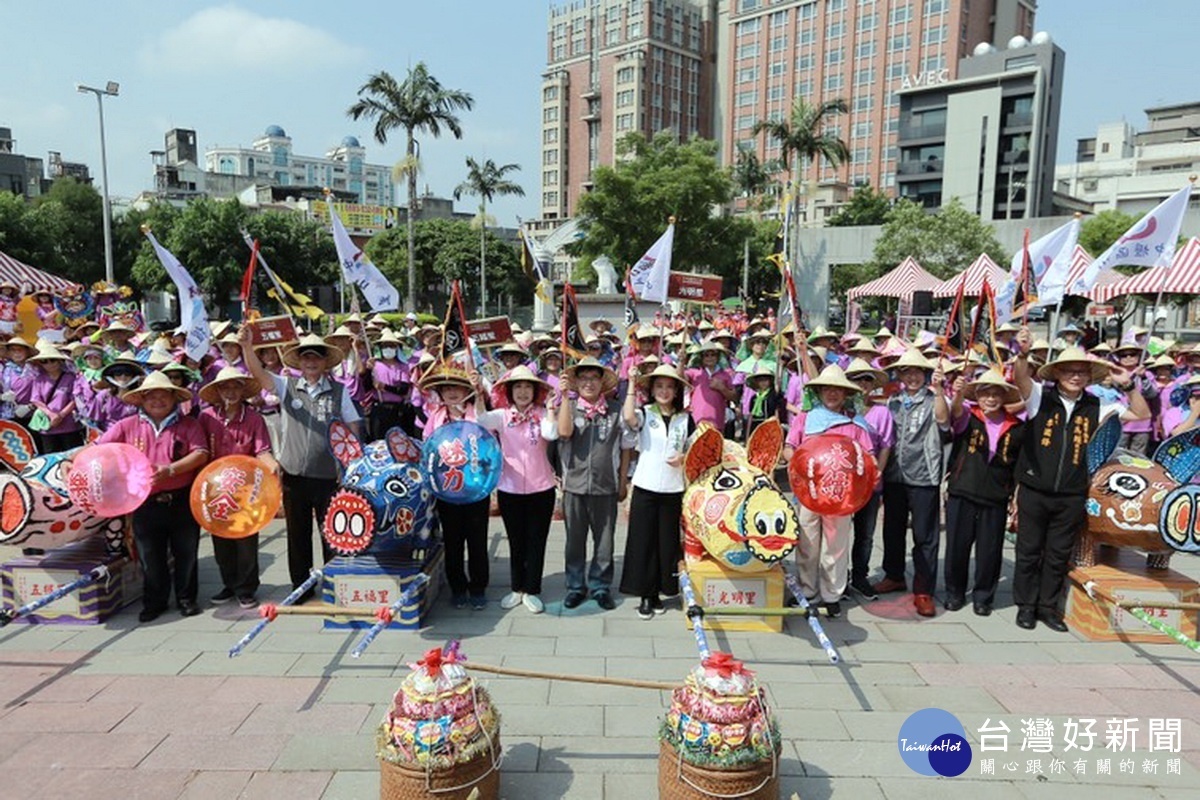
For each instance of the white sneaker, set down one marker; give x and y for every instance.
(511, 600)
(534, 603)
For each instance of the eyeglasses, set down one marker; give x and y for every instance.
(862, 378)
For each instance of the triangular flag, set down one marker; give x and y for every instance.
(572, 335)
(1149, 243)
(651, 275)
(357, 269)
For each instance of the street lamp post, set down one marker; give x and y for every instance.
(110, 89)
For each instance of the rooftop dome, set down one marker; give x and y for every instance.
(1017, 42)
(350, 141)
(275, 130)
(1041, 37)
(983, 48)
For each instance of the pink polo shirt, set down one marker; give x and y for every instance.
(244, 435)
(178, 437)
(707, 404)
(390, 374)
(523, 446)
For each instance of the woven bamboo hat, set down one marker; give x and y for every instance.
(833, 377)
(992, 379)
(860, 366)
(155, 381)
(608, 381)
(1074, 355)
(229, 376)
(913, 358)
(663, 371)
(308, 343)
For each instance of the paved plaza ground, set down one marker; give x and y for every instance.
(160, 711)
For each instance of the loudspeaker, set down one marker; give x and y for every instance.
(922, 304)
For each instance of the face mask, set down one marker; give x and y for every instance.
(120, 381)
(387, 352)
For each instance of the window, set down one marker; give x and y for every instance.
(560, 52)
(833, 56)
(861, 130)
(577, 45)
(865, 49)
(747, 75)
(550, 93)
(835, 5)
(864, 102)
(934, 63)
(748, 50)
(866, 23)
(624, 98)
(1104, 147)
(226, 166)
(934, 7)
(625, 75)
(934, 35)
(550, 136)
(747, 98)
(779, 19)
(895, 70)
(614, 14)
(834, 30)
(635, 30)
(749, 27)
(778, 43)
(806, 36)
(861, 155)
(749, 5)
(550, 198)
(745, 122)
(804, 88)
(834, 82)
(776, 93)
(807, 11)
(864, 77)
(899, 43)
(550, 114)
(612, 37)
(900, 15)
(550, 177)
(777, 68)
(560, 30)
(804, 62)
(550, 157)
(625, 122)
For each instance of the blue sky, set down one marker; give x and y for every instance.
(229, 70)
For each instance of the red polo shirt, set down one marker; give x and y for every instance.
(244, 435)
(177, 438)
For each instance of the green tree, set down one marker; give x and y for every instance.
(630, 203)
(867, 206)
(206, 238)
(802, 134)
(1097, 233)
(446, 251)
(70, 220)
(417, 104)
(485, 181)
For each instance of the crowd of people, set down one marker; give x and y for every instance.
(577, 433)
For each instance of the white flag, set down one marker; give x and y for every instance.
(1051, 259)
(358, 271)
(651, 274)
(1149, 243)
(192, 316)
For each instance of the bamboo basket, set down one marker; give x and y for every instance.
(679, 780)
(413, 782)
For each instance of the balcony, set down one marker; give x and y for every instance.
(936, 130)
(930, 167)
(592, 93)
(1023, 119)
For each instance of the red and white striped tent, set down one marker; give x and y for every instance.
(907, 277)
(23, 275)
(1182, 277)
(1079, 263)
(974, 275)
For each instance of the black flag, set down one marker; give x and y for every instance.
(631, 314)
(454, 331)
(572, 335)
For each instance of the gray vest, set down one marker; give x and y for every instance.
(304, 429)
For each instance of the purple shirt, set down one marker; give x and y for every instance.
(54, 395)
(883, 428)
(179, 437)
(395, 374)
(994, 429)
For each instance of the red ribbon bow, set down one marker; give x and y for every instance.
(434, 659)
(724, 665)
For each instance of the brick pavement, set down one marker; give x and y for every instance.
(159, 711)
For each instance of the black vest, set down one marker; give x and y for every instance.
(1053, 455)
(975, 476)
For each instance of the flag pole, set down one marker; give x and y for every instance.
(279, 294)
(1025, 270)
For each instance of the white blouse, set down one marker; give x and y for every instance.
(656, 441)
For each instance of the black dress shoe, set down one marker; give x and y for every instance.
(573, 599)
(1053, 622)
(954, 603)
(833, 610)
(1027, 619)
(645, 609)
(605, 601)
(982, 609)
(149, 614)
(188, 608)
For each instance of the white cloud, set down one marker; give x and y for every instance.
(231, 39)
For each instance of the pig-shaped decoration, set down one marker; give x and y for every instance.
(384, 503)
(36, 513)
(1125, 504)
(733, 511)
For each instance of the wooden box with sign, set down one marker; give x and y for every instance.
(717, 587)
(25, 579)
(1124, 574)
(370, 582)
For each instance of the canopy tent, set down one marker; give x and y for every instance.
(907, 277)
(1182, 277)
(973, 277)
(22, 275)
(1079, 264)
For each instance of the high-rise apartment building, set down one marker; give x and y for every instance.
(862, 51)
(615, 67)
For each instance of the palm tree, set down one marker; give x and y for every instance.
(419, 103)
(485, 181)
(801, 136)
